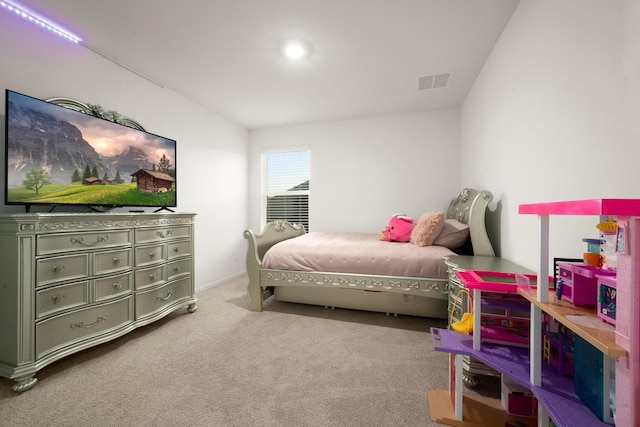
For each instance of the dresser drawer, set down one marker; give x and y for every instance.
(82, 241)
(70, 328)
(63, 268)
(113, 286)
(110, 262)
(161, 234)
(179, 249)
(149, 255)
(61, 297)
(150, 277)
(178, 268)
(153, 301)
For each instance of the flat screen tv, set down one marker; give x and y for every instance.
(60, 156)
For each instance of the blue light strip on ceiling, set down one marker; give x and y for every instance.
(23, 12)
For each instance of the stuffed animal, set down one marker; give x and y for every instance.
(398, 229)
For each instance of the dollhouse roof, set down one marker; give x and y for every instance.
(629, 207)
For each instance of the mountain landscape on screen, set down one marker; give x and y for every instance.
(60, 156)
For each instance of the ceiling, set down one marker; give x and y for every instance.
(367, 55)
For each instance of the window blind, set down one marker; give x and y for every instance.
(286, 186)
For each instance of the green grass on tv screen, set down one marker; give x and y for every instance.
(98, 195)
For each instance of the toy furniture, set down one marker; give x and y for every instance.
(473, 369)
(517, 400)
(499, 312)
(558, 346)
(594, 376)
(504, 319)
(578, 283)
(620, 347)
(494, 355)
(607, 298)
(592, 256)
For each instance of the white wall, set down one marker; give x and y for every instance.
(364, 170)
(212, 151)
(554, 116)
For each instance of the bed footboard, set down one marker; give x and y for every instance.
(258, 244)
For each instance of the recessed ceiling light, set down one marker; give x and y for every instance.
(295, 50)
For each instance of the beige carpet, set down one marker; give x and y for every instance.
(291, 365)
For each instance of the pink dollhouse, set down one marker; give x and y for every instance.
(616, 348)
(625, 350)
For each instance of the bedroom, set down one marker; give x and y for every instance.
(559, 96)
(552, 115)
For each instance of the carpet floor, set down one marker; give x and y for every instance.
(291, 365)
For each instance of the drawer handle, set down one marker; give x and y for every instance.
(80, 240)
(161, 298)
(151, 254)
(117, 261)
(164, 234)
(91, 325)
(152, 276)
(117, 285)
(57, 298)
(176, 249)
(57, 269)
(176, 269)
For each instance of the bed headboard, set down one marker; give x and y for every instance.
(470, 208)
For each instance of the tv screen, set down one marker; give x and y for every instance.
(59, 156)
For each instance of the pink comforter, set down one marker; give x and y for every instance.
(358, 253)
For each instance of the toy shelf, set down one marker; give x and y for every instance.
(557, 392)
(603, 340)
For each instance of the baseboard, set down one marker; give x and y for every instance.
(204, 287)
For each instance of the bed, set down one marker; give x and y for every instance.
(377, 279)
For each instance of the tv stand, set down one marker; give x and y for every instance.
(27, 208)
(102, 209)
(164, 208)
(75, 280)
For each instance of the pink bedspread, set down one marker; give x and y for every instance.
(358, 253)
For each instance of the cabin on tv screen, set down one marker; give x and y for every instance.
(151, 181)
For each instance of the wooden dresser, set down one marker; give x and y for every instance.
(72, 281)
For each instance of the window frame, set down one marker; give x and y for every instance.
(264, 193)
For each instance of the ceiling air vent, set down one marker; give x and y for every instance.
(434, 81)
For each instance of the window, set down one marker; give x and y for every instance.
(285, 186)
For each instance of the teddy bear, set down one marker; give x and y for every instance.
(398, 229)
